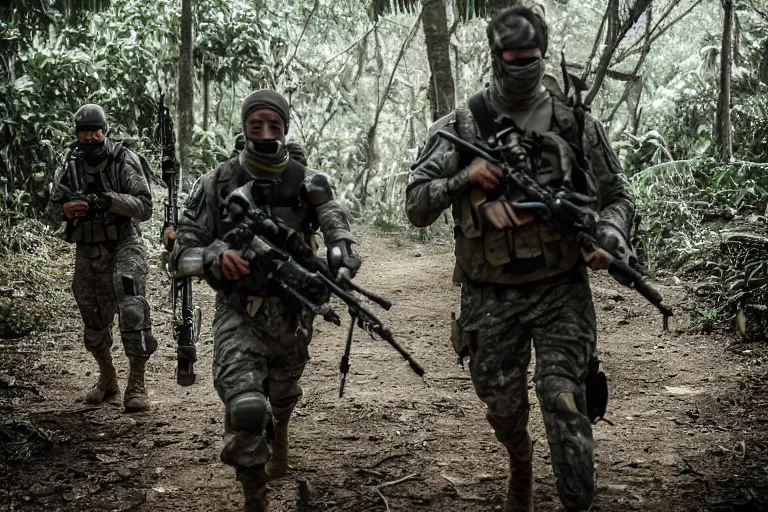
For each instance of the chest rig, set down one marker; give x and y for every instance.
(281, 197)
(97, 227)
(533, 251)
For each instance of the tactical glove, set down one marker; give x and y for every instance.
(614, 241)
(341, 256)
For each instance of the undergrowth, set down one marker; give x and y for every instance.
(706, 220)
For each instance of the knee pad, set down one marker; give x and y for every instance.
(134, 314)
(249, 411)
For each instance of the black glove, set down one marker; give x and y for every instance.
(341, 256)
(613, 241)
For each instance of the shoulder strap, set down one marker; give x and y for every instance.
(482, 114)
(292, 179)
(118, 154)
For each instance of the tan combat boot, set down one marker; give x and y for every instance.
(520, 490)
(106, 387)
(135, 398)
(254, 482)
(278, 462)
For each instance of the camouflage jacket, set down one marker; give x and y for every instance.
(122, 181)
(438, 179)
(203, 222)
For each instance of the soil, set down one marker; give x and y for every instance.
(688, 412)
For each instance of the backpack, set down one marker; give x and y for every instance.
(118, 154)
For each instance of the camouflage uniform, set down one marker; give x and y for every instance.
(111, 257)
(526, 283)
(260, 342)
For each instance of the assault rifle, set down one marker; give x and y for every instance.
(562, 209)
(294, 272)
(187, 325)
(95, 204)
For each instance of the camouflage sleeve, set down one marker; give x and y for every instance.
(54, 211)
(136, 202)
(617, 206)
(437, 177)
(197, 219)
(333, 219)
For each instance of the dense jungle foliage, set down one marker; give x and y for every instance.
(358, 78)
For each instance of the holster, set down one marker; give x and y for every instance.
(460, 339)
(596, 385)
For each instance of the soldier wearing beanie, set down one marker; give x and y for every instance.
(261, 342)
(111, 257)
(521, 282)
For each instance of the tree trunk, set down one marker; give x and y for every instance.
(633, 105)
(495, 6)
(441, 89)
(362, 52)
(617, 29)
(219, 101)
(736, 40)
(186, 85)
(723, 120)
(206, 97)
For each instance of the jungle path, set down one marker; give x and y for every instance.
(687, 435)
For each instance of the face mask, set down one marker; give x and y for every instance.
(519, 77)
(93, 152)
(266, 151)
(267, 147)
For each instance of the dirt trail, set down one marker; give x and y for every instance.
(679, 416)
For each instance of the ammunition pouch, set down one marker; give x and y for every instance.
(510, 256)
(94, 229)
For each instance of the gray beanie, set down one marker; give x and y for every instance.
(517, 28)
(266, 99)
(90, 117)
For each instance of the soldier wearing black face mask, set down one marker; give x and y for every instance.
(261, 342)
(111, 258)
(521, 281)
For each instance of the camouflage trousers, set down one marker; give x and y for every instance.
(109, 281)
(265, 353)
(557, 314)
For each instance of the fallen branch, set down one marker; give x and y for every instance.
(79, 410)
(23, 388)
(383, 498)
(398, 481)
(385, 459)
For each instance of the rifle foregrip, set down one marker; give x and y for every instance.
(619, 268)
(375, 297)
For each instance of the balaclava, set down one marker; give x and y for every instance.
(91, 117)
(271, 156)
(517, 28)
